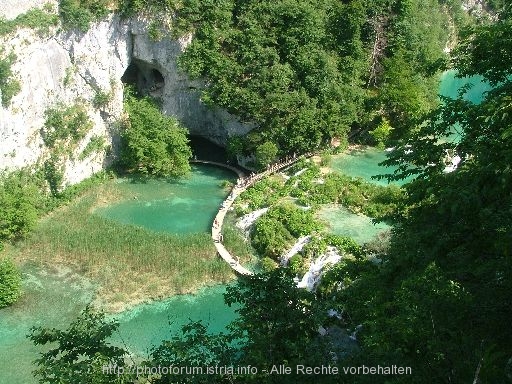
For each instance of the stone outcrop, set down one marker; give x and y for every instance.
(70, 68)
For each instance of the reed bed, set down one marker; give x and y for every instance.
(129, 264)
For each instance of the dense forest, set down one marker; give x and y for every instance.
(307, 72)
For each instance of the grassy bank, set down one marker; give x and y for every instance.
(129, 264)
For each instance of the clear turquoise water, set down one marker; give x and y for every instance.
(149, 324)
(49, 300)
(450, 85)
(364, 164)
(345, 223)
(177, 207)
(52, 300)
(174, 206)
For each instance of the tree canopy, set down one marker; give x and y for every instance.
(153, 143)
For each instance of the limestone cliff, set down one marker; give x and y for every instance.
(72, 68)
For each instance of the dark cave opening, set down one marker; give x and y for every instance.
(204, 149)
(146, 79)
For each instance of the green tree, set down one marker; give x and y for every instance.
(10, 283)
(440, 300)
(9, 86)
(381, 133)
(153, 143)
(81, 353)
(270, 237)
(265, 154)
(19, 202)
(194, 347)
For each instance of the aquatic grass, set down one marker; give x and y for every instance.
(236, 243)
(125, 261)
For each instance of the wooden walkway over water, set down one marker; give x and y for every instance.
(242, 184)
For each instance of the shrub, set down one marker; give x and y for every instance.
(153, 143)
(296, 265)
(267, 264)
(270, 237)
(19, 202)
(80, 14)
(10, 283)
(9, 86)
(265, 154)
(95, 145)
(101, 99)
(65, 126)
(297, 221)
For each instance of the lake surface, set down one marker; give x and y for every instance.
(179, 206)
(345, 223)
(55, 299)
(363, 163)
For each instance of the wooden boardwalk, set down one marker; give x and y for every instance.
(242, 184)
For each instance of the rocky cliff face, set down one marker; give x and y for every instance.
(72, 68)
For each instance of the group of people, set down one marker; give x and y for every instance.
(245, 181)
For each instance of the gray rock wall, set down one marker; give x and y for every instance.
(70, 67)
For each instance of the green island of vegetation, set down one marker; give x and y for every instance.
(435, 298)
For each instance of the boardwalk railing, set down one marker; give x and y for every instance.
(241, 185)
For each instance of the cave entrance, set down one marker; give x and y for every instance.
(147, 79)
(204, 149)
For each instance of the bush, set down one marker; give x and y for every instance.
(19, 202)
(153, 143)
(297, 221)
(95, 145)
(80, 14)
(101, 99)
(9, 86)
(265, 154)
(65, 126)
(270, 237)
(10, 283)
(296, 265)
(267, 264)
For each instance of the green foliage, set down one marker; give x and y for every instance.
(10, 283)
(267, 264)
(277, 321)
(278, 65)
(195, 347)
(19, 202)
(65, 127)
(9, 86)
(40, 20)
(325, 159)
(299, 222)
(265, 154)
(380, 202)
(155, 30)
(263, 193)
(53, 171)
(101, 99)
(274, 232)
(79, 14)
(95, 145)
(81, 351)
(440, 301)
(381, 133)
(270, 237)
(297, 265)
(153, 143)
